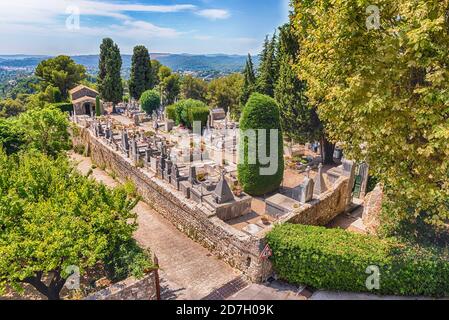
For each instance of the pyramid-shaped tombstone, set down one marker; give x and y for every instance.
(223, 193)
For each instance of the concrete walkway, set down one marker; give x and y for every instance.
(188, 271)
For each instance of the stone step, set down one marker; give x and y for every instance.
(228, 289)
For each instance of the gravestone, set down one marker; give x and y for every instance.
(108, 133)
(168, 167)
(320, 184)
(125, 142)
(169, 124)
(223, 193)
(349, 172)
(134, 151)
(306, 191)
(192, 175)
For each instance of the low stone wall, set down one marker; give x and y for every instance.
(238, 249)
(130, 289)
(321, 211)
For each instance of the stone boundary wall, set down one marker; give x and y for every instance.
(321, 211)
(238, 249)
(130, 289)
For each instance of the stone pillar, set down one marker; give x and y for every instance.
(320, 184)
(349, 172)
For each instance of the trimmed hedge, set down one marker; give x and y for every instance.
(335, 259)
(187, 111)
(171, 112)
(260, 112)
(198, 113)
(150, 101)
(63, 106)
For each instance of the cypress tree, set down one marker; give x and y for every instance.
(97, 106)
(268, 69)
(296, 115)
(141, 78)
(260, 112)
(249, 84)
(110, 86)
(105, 48)
(299, 120)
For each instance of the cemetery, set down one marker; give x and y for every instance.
(191, 178)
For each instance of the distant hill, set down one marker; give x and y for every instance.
(221, 63)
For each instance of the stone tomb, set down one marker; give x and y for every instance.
(279, 205)
(225, 204)
(176, 177)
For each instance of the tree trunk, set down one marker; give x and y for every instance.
(53, 290)
(327, 151)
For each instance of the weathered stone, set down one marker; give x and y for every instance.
(320, 184)
(169, 124)
(130, 289)
(348, 171)
(223, 193)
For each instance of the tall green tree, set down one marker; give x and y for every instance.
(105, 48)
(193, 88)
(249, 82)
(171, 88)
(383, 92)
(299, 120)
(225, 93)
(110, 86)
(257, 176)
(141, 78)
(268, 68)
(60, 72)
(155, 67)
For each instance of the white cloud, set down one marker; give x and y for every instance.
(214, 14)
(37, 11)
(39, 25)
(202, 38)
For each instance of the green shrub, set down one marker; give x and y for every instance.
(128, 259)
(150, 101)
(171, 112)
(198, 113)
(187, 111)
(79, 149)
(260, 112)
(334, 259)
(63, 106)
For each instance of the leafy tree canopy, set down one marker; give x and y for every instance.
(384, 92)
(52, 218)
(141, 78)
(45, 130)
(225, 93)
(150, 101)
(193, 88)
(62, 73)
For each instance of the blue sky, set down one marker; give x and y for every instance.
(174, 26)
